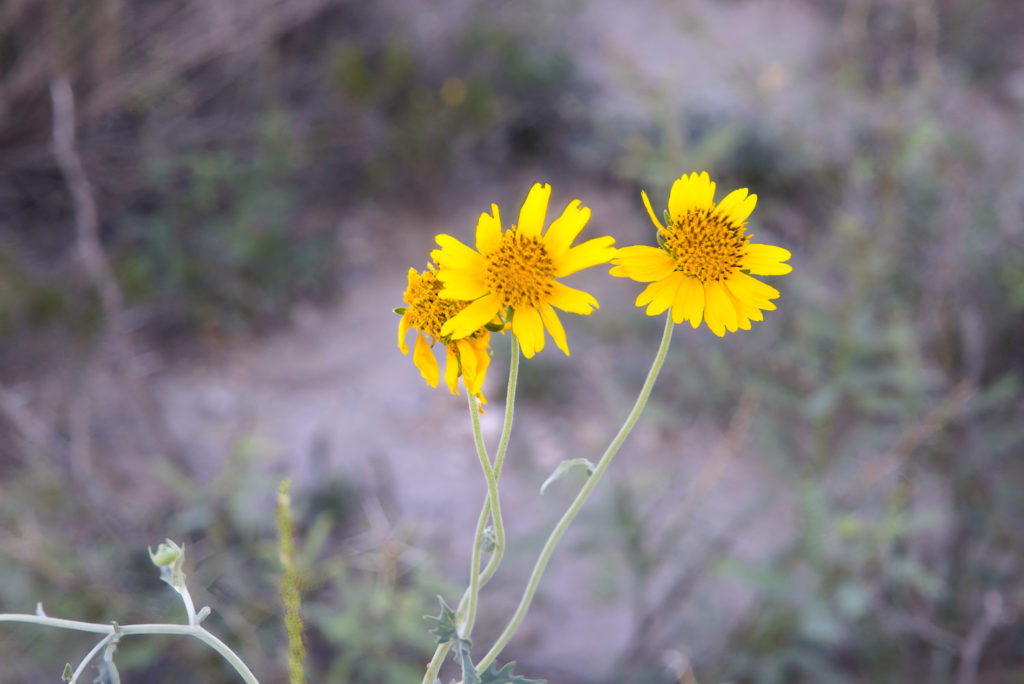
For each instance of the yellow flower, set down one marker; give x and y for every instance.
(426, 313)
(513, 273)
(700, 267)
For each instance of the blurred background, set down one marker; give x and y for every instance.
(207, 210)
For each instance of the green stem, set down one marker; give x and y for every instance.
(577, 504)
(466, 625)
(181, 630)
(434, 667)
(80, 670)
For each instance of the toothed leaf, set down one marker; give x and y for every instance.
(505, 676)
(443, 626)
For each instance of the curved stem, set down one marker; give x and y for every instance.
(581, 497)
(434, 667)
(80, 670)
(181, 630)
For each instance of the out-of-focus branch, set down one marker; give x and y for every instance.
(90, 250)
(994, 613)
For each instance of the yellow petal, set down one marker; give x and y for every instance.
(745, 313)
(688, 303)
(467, 359)
(403, 329)
(570, 299)
(650, 211)
(590, 253)
(529, 330)
(695, 191)
(451, 369)
(565, 228)
(454, 254)
(554, 326)
(752, 290)
(425, 361)
(766, 260)
(472, 318)
(643, 263)
(461, 284)
(531, 216)
(652, 290)
(737, 206)
(473, 373)
(719, 312)
(488, 231)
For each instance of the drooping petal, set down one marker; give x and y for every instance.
(425, 361)
(531, 216)
(642, 263)
(451, 369)
(467, 359)
(719, 312)
(455, 254)
(688, 303)
(599, 250)
(554, 326)
(479, 349)
(766, 260)
(570, 299)
(564, 229)
(488, 231)
(472, 318)
(650, 211)
(529, 330)
(403, 329)
(461, 284)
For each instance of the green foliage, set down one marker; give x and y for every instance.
(443, 626)
(223, 251)
(505, 676)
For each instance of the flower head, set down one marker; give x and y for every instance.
(513, 273)
(426, 313)
(700, 268)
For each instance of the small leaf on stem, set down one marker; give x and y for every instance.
(564, 467)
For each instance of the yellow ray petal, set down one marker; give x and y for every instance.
(590, 253)
(531, 216)
(737, 206)
(745, 313)
(642, 263)
(695, 191)
(455, 254)
(488, 231)
(554, 326)
(472, 318)
(529, 330)
(650, 211)
(425, 361)
(570, 299)
(461, 284)
(467, 359)
(719, 312)
(451, 369)
(651, 291)
(766, 260)
(479, 349)
(565, 228)
(688, 303)
(751, 290)
(403, 329)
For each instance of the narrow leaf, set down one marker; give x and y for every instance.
(564, 467)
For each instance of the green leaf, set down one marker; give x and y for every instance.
(444, 624)
(460, 651)
(67, 674)
(564, 467)
(505, 676)
(400, 310)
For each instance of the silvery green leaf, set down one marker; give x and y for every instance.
(564, 467)
(444, 627)
(505, 676)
